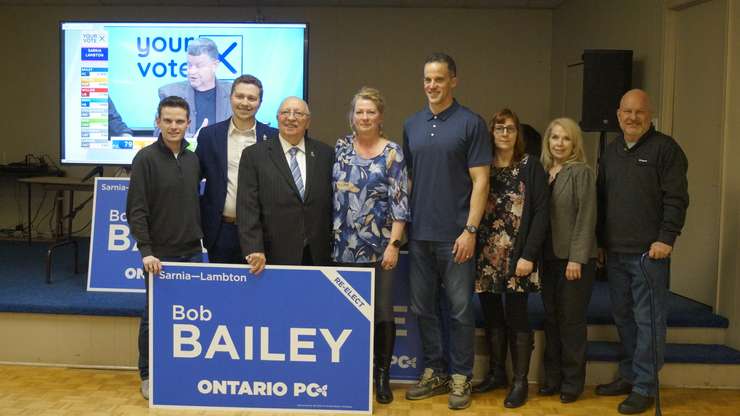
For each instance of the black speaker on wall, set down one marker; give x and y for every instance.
(607, 75)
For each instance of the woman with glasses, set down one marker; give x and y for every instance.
(509, 243)
(569, 259)
(370, 212)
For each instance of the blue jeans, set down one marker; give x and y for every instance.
(432, 267)
(144, 323)
(630, 297)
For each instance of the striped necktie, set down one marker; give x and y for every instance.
(295, 170)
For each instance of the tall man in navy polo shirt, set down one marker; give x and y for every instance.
(448, 151)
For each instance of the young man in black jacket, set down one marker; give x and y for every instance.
(642, 202)
(162, 206)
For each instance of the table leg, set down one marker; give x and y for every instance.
(69, 225)
(28, 187)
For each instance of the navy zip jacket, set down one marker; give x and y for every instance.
(642, 193)
(162, 205)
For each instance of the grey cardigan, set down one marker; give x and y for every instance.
(573, 213)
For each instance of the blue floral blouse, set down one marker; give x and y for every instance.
(369, 194)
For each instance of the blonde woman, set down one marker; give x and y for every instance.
(569, 259)
(371, 208)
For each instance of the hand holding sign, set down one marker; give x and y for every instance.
(152, 265)
(258, 261)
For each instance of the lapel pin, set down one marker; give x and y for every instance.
(312, 154)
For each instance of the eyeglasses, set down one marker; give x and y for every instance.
(294, 113)
(504, 129)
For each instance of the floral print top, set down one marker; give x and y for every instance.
(498, 232)
(369, 194)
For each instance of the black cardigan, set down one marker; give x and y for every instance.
(535, 214)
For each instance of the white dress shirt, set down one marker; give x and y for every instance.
(237, 141)
(300, 156)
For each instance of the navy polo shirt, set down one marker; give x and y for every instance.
(439, 150)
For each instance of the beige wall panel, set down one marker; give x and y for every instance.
(697, 126)
(729, 283)
(74, 340)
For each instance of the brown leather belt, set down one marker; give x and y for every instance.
(228, 220)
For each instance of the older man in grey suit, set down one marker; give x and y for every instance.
(284, 195)
(207, 97)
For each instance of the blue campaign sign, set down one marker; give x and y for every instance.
(294, 338)
(115, 263)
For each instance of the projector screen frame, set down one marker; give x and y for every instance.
(62, 64)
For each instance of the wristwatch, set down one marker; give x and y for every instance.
(396, 243)
(472, 229)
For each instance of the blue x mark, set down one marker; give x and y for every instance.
(222, 58)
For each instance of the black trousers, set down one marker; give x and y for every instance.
(144, 322)
(226, 248)
(383, 290)
(512, 314)
(565, 302)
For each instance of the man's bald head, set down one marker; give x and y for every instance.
(634, 114)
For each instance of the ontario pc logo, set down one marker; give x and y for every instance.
(261, 388)
(403, 361)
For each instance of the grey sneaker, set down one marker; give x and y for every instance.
(459, 397)
(145, 388)
(429, 385)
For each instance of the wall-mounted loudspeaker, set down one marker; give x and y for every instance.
(607, 75)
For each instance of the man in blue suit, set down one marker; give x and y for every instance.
(219, 149)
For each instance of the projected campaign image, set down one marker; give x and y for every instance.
(115, 74)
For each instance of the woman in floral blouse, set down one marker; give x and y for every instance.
(510, 239)
(370, 212)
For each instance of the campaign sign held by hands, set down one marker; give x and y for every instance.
(293, 338)
(115, 262)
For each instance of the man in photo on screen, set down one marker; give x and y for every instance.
(163, 206)
(207, 97)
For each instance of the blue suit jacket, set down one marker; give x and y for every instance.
(212, 152)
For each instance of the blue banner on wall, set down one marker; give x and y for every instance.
(293, 338)
(407, 362)
(115, 263)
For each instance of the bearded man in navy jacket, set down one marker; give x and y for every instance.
(219, 150)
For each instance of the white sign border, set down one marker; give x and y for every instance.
(322, 269)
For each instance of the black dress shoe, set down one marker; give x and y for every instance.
(635, 403)
(617, 387)
(546, 390)
(490, 383)
(568, 397)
